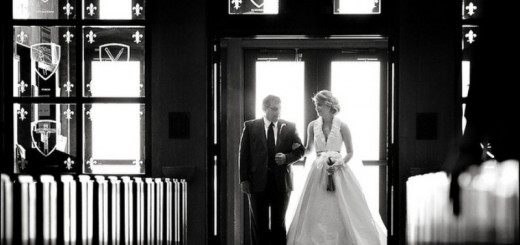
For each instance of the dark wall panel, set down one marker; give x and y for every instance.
(179, 81)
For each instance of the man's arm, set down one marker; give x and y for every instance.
(297, 148)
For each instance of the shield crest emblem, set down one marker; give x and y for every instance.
(256, 4)
(114, 52)
(47, 57)
(44, 134)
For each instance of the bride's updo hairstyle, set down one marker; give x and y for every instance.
(325, 97)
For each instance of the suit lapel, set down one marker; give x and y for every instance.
(279, 133)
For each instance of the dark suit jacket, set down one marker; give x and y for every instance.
(253, 154)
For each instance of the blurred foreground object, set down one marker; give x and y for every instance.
(489, 206)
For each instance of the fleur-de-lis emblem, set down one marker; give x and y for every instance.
(68, 114)
(236, 3)
(89, 115)
(22, 163)
(68, 87)
(91, 9)
(91, 161)
(68, 9)
(471, 8)
(22, 86)
(137, 9)
(137, 36)
(69, 162)
(68, 36)
(471, 36)
(89, 88)
(91, 37)
(22, 36)
(22, 112)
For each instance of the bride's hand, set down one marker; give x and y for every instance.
(331, 169)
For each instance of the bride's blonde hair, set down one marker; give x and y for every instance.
(325, 97)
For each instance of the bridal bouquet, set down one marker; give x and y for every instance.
(330, 180)
(332, 159)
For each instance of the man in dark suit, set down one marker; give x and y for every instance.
(268, 147)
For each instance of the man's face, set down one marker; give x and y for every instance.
(272, 113)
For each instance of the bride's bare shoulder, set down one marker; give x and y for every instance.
(311, 124)
(344, 127)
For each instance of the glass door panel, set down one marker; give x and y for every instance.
(359, 84)
(356, 84)
(286, 80)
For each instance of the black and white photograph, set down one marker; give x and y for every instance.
(259, 122)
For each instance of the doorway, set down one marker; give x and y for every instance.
(355, 70)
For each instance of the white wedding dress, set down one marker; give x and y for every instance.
(342, 217)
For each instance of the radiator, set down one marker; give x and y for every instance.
(490, 207)
(93, 210)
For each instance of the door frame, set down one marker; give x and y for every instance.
(231, 78)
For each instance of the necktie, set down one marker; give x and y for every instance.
(271, 148)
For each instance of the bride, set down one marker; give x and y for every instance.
(340, 216)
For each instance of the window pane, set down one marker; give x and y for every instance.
(44, 138)
(44, 9)
(465, 78)
(284, 79)
(44, 61)
(253, 6)
(471, 9)
(357, 84)
(114, 9)
(357, 6)
(114, 61)
(470, 35)
(114, 138)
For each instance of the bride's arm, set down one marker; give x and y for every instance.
(309, 148)
(347, 140)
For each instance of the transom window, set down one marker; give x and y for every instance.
(271, 7)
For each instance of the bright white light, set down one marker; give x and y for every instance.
(115, 9)
(271, 6)
(356, 84)
(286, 80)
(463, 117)
(465, 78)
(21, 9)
(356, 6)
(16, 77)
(116, 131)
(371, 186)
(115, 79)
(116, 169)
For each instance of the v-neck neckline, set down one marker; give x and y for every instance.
(326, 137)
